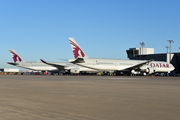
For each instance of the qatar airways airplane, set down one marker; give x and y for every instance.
(40, 66)
(129, 66)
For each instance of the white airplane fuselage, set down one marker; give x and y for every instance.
(39, 66)
(124, 65)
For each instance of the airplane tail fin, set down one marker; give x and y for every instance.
(15, 56)
(77, 51)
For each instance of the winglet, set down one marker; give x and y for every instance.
(77, 51)
(43, 61)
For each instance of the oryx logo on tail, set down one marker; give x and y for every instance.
(15, 56)
(77, 51)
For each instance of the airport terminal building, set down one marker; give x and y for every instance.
(148, 54)
(9, 70)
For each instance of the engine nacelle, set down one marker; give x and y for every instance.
(75, 70)
(150, 70)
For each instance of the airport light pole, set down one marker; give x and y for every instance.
(142, 44)
(167, 48)
(170, 41)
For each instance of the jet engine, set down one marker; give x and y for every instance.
(75, 70)
(150, 70)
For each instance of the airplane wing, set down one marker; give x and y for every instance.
(139, 65)
(60, 67)
(12, 63)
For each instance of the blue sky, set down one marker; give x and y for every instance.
(38, 29)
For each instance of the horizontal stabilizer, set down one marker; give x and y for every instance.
(78, 60)
(63, 59)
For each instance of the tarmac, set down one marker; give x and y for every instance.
(41, 97)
